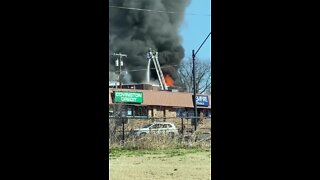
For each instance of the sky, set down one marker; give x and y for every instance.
(196, 28)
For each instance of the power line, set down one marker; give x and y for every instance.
(163, 67)
(202, 43)
(157, 11)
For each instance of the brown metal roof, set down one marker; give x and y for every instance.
(163, 98)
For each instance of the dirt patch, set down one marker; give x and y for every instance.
(194, 165)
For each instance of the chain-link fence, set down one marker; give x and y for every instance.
(123, 129)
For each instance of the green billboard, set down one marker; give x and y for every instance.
(128, 97)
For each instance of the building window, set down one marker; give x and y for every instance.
(129, 111)
(140, 111)
(181, 112)
(190, 113)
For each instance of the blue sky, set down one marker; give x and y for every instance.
(196, 28)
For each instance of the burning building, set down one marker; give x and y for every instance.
(134, 32)
(166, 82)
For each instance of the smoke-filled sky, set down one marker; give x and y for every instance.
(134, 32)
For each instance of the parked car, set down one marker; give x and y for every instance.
(157, 128)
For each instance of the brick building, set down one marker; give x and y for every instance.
(141, 104)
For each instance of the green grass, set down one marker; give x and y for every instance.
(170, 152)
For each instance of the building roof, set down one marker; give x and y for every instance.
(163, 98)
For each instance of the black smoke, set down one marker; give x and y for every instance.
(133, 32)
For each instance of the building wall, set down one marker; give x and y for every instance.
(136, 86)
(150, 112)
(159, 112)
(171, 112)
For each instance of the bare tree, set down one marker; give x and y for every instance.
(203, 76)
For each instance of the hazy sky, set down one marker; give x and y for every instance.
(196, 28)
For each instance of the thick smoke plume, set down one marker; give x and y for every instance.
(133, 32)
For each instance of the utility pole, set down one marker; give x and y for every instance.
(194, 82)
(119, 62)
(194, 91)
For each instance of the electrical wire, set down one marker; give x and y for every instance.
(157, 11)
(202, 43)
(163, 67)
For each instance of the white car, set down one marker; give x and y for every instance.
(157, 128)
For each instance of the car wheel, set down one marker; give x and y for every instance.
(143, 134)
(171, 134)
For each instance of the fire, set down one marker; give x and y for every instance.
(169, 80)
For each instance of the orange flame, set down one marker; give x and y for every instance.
(169, 80)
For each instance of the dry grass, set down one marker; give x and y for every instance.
(160, 157)
(179, 164)
(158, 142)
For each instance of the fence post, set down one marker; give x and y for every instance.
(182, 125)
(122, 129)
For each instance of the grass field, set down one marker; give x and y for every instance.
(160, 164)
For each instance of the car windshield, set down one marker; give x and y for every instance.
(146, 126)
